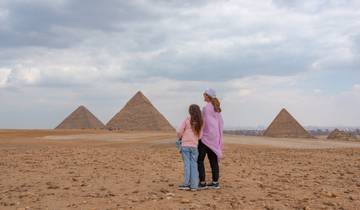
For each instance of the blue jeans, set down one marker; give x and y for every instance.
(191, 174)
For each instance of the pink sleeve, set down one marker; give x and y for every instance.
(204, 114)
(221, 130)
(204, 111)
(181, 129)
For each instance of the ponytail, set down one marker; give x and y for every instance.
(216, 104)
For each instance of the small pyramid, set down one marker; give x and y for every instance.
(341, 135)
(139, 115)
(81, 118)
(284, 125)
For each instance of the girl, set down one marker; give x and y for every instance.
(190, 132)
(211, 143)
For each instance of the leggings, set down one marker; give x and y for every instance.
(213, 159)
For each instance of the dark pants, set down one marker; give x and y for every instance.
(213, 159)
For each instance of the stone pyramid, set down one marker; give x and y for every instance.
(81, 118)
(341, 135)
(284, 125)
(139, 115)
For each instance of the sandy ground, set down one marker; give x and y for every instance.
(103, 170)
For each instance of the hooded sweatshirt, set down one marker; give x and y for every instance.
(187, 135)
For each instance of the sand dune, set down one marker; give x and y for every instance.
(103, 170)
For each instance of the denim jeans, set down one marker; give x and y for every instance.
(191, 174)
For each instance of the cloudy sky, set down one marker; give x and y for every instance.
(260, 56)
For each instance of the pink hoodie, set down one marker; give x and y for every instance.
(213, 130)
(187, 135)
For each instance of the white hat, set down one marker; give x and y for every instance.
(210, 92)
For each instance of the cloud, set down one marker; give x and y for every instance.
(4, 76)
(259, 55)
(311, 6)
(356, 87)
(181, 40)
(249, 101)
(58, 24)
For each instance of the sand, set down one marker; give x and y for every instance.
(103, 170)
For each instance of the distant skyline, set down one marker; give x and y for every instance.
(260, 56)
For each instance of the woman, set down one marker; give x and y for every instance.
(211, 143)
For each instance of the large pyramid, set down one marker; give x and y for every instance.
(139, 115)
(81, 118)
(284, 125)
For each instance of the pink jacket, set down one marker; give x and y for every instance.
(213, 130)
(187, 135)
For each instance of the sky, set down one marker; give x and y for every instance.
(260, 56)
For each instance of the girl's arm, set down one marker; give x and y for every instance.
(181, 129)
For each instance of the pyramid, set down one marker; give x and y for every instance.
(139, 115)
(284, 125)
(81, 118)
(341, 135)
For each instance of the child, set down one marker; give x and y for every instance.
(190, 132)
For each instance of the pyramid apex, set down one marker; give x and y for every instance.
(139, 96)
(139, 93)
(81, 108)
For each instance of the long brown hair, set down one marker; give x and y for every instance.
(215, 102)
(196, 120)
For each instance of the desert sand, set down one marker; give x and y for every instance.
(79, 169)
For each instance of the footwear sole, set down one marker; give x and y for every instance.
(183, 188)
(214, 188)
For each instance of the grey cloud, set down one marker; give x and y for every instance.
(136, 31)
(99, 53)
(238, 61)
(104, 15)
(69, 22)
(40, 23)
(356, 46)
(311, 6)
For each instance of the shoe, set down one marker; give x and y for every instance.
(194, 189)
(202, 186)
(183, 187)
(214, 185)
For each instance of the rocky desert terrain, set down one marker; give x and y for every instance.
(105, 170)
